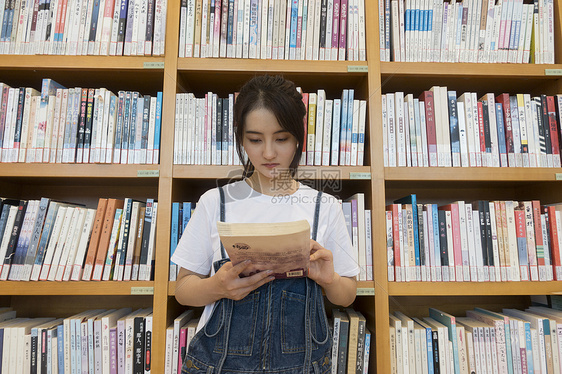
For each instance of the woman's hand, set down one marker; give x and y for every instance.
(229, 284)
(321, 268)
(339, 290)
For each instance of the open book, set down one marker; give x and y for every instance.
(283, 247)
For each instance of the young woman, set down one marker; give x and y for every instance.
(258, 324)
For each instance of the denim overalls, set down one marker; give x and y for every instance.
(280, 327)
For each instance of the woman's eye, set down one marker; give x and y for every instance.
(282, 140)
(254, 140)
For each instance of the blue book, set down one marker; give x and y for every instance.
(501, 134)
(230, 27)
(186, 214)
(429, 344)
(293, 29)
(126, 123)
(60, 347)
(435, 228)
(449, 321)
(157, 125)
(454, 128)
(133, 125)
(343, 126)
(411, 199)
(174, 229)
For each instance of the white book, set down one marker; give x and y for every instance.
(423, 126)
(266, 25)
(384, 117)
(73, 268)
(69, 220)
(400, 129)
(246, 30)
(189, 30)
(391, 130)
(327, 137)
(336, 123)
(316, 32)
(495, 271)
(287, 32)
(319, 132)
(179, 321)
(71, 243)
(463, 136)
(512, 242)
(240, 16)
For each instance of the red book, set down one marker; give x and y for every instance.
(482, 132)
(398, 276)
(554, 143)
(427, 97)
(554, 247)
(457, 247)
(538, 239)
(520, 232)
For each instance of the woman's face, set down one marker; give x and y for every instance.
(269, 147)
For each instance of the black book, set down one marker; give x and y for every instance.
(218, 126)
(146, 237)
(481, 206)
(145, 124)
(343, 342)
(138, 345)
(489, 243)
(443, 238)
(539, 119)
(323, 18)
(80, 136)
(125, 226)
(486, 121)
(423, 260)
(546, 125)
(5, 205)
(149, 28)
(88, 125)
(14, 235)
(435, 346)
(19, 118)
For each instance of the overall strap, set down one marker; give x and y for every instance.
(316, 216)
(222, 218)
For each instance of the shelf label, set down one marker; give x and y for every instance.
(142, 290)
(148, 173)
(357, 69)
(557, 72)
(558, 176)
(359, 175)
(365, 292)
(153, 65)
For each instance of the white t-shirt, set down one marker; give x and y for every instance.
(199, 245)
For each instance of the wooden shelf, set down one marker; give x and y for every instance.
(75, 288)
(304, 172)
(466, 70)
(473, 288)
(363, 288)
(17, 170)
(472, 174)
(272, 66)
(81, 63)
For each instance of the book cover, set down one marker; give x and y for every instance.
(259, 242)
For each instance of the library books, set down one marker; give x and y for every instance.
(95, 340)
(94, 27)
(275, 29)
(204, 132)
(50, 240)
(506, 341)
(79, 125)
(477, 241)
(442, 128)
(470, 31)
(357, 220)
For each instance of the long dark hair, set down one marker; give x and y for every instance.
(281, 97)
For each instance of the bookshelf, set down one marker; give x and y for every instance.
(168, 182)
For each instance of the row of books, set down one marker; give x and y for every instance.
(51, 240)
(111, 341)
(442, 129)
(469, 31)
(483, 341)
(351, 341)
(73, 27)
(357, 219)
(273, 29)
(79, 125)
(478, 241)
(334, 130)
